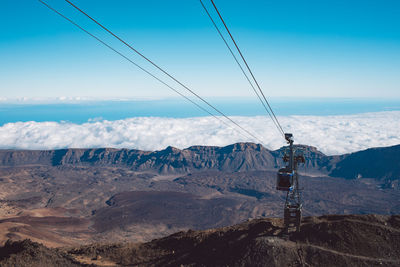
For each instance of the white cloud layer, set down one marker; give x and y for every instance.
(330, 134)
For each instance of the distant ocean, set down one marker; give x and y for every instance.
(81, 112)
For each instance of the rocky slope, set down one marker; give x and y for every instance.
(352, 240)
(28, 253)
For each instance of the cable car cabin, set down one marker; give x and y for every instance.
(284, 179)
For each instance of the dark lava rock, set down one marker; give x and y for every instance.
(28, 253)
(331, 240)
(334, 240)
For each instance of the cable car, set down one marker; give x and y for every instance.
(284, 179)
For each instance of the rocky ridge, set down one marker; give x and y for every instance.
(333, 240)
(377, 163)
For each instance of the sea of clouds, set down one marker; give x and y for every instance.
(330, 134)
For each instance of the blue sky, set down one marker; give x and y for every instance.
(296, 48)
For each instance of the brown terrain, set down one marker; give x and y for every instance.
(74, 197)
(333, 240)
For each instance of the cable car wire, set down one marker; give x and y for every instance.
(240, 65)
(148, 72)
(248, 68)
(162, 70)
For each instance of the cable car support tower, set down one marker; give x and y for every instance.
(288, 180)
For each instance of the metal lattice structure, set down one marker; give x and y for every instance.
(288, 180)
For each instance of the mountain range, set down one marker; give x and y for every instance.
(378, 163)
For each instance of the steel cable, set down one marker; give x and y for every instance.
(238, 63)
(143, 69)
(162, 70)
(248, 68)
